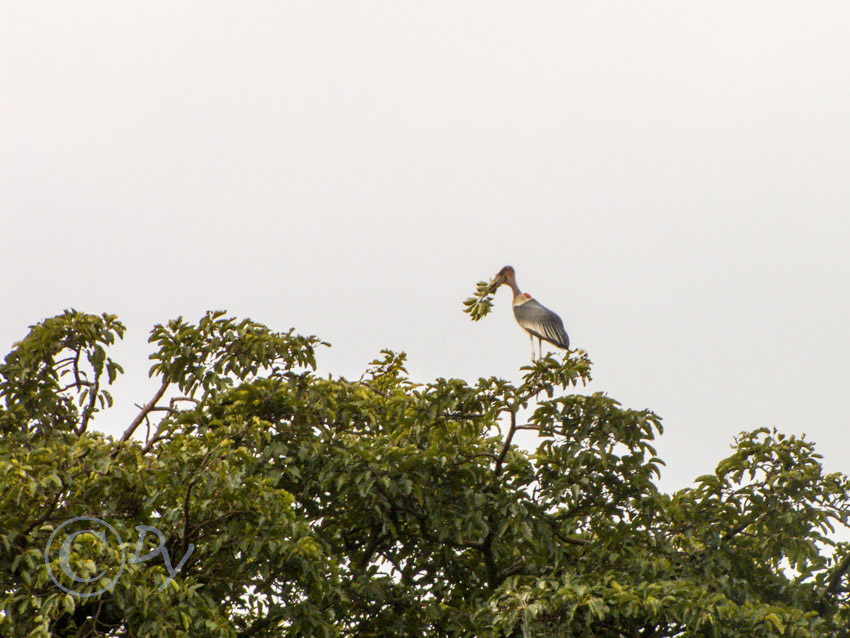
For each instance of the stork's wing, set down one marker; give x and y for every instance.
(542, 322)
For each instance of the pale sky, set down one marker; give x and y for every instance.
(673, 178)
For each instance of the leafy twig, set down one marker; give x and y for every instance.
(479, 304)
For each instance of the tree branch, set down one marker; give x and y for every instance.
(89, 409)
(273, 616)
(571, 540)
(516, 568)
(740, 527)
(186, 515)
(498, 469)
(75, 384)
(77, 364)
(50, 507)
(466, 458)
(368, 551)
(835, 578)
(490, 561)
(145, 411)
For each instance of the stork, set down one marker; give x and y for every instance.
(532, 316)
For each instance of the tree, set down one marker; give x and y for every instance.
(382, 507)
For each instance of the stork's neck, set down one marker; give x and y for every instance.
(514, 288)
(520, 297)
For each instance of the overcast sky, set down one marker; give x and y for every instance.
(673, 178)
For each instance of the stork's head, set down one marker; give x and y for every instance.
(504, 276)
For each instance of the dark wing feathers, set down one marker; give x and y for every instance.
(542, 322)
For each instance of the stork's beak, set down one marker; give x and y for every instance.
(495, 282)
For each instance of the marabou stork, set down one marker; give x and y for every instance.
(532, 316)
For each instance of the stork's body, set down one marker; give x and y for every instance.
(532, 316)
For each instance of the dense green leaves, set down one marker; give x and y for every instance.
(53, 378)
(324, 506)
(220, 350)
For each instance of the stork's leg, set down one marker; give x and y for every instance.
(540, 346)
(531, 337)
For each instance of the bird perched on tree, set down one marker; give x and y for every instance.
(532, 316)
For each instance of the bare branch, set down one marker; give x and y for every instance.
(61, 363)
(147, 431)
(156, 439)
(77, 364)
(76, 384)
(145, 411)
(175, 400)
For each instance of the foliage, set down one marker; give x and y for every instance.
(479, 304)
(320, 506)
